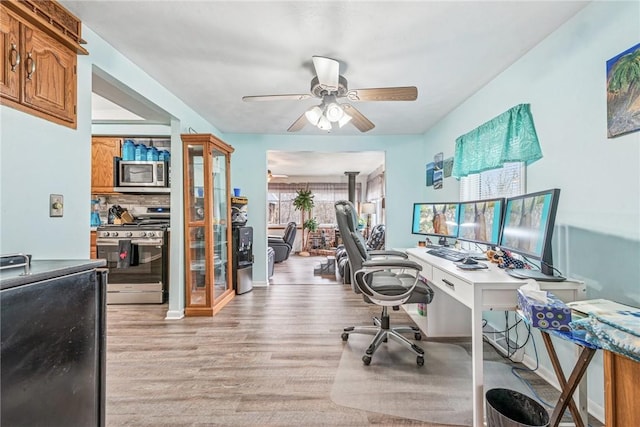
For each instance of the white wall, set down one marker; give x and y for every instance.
(564, 80)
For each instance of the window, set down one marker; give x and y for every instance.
(280, 201)
(507, 181)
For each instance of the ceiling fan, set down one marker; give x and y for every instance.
(330, 86)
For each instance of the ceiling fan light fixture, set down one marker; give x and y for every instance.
(313, 115)
(324, 123)
(334, 112)
(344, 119)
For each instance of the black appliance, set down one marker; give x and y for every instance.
(53, 344)
(242, 259)
(137, 257)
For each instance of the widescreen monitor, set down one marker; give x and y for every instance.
(435, 219)
(480, 221)
(528, 228)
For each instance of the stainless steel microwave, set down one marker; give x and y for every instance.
(143, 174)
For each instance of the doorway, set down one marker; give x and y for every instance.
(328, 176)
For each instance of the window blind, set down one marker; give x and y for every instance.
(509, 137)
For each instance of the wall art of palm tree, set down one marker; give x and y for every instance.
(623, 92)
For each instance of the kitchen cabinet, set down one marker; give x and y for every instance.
(103, 150)
(207, 224)
(39, 43)
(93, 249)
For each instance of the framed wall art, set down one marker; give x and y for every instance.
(623, 92)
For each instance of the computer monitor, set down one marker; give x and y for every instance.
(436, 219)
(480, 221)
(527, 230)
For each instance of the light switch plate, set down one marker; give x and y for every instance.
(56, 204)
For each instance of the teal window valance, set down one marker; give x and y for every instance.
(509, 137)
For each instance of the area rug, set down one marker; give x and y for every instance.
(438, 392)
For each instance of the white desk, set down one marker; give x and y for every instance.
(478, 290)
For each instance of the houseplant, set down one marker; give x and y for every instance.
(303, 202)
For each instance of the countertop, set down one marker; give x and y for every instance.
(46, 269)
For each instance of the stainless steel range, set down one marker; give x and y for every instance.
(137, 258)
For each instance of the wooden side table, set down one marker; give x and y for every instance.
(568, 387)
(621, 390)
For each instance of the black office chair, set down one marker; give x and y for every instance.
(282, 245)
(384, 278)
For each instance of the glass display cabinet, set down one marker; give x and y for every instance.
(207, 222)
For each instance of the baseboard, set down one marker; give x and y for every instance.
(174, 315)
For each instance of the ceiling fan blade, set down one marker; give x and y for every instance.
(328, 71)
(407, 93)
(296, 97)
(298, 124)
(357, 119)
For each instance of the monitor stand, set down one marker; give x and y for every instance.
(525, 273)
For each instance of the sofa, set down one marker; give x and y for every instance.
(282, 244)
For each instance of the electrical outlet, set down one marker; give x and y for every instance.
(56, 204)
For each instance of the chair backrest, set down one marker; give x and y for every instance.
(289, 235)
(376, 238)
(352, 239)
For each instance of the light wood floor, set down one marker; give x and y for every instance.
(299, 270)
(269, 358)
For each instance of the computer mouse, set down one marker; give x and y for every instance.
(469, 260)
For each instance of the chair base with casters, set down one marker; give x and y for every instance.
(382, 331)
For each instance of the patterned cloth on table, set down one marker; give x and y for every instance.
(617, 331)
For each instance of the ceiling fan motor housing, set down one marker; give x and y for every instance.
(319, 90)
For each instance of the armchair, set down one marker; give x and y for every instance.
(282, 245)
(384, 278)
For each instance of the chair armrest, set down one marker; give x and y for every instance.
(391, 263)
(398, 254)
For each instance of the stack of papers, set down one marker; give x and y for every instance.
(599, 306)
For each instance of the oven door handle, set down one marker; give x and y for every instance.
(115, 242)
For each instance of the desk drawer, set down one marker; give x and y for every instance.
(457, 288)
(427, 269)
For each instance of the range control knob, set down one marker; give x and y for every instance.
(105, 234)
(114, 234)
(142, 234)
(128, 234)
(151, 234)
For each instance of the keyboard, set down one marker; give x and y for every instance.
(446, 253)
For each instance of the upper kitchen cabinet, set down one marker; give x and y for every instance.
(39, 43)
(103, 150)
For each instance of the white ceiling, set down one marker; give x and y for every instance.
(212, 53)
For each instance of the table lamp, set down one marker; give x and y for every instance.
(368, 209)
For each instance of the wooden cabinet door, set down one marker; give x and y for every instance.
(10, 51)
(103, 150)
(49, 75)
(93, 249)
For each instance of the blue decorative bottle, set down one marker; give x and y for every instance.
(141, 153)
(152, 154)
(128, 150)
(164, 155)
